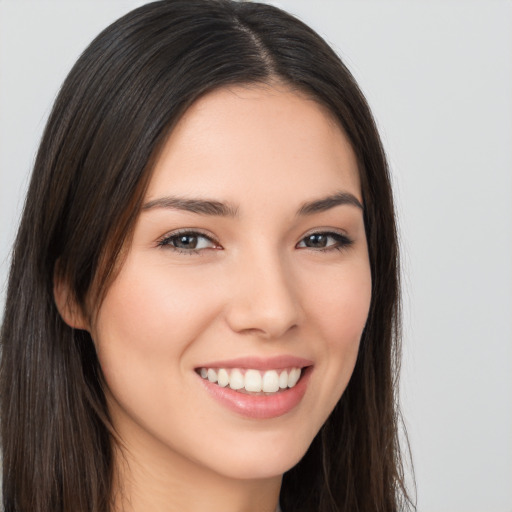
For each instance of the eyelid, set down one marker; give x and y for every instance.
(325, 231)
(344, 243)
(161, 242)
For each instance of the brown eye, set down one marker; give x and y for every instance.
(316, 241)
(324, 241)
(187, 242)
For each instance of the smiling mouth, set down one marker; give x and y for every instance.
(252, 381)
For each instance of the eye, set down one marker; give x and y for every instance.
(188, 242)
(324, 241)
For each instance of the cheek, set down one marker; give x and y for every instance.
(149, 317)
(340, 310)
(341, 304)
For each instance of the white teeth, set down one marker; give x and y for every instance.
(293, 377)
(270, 382)
(222, 378)
(236, 380)
(254, 381)
(283, 379)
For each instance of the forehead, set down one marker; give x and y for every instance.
(261, 136)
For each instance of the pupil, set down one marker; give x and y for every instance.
(316, 240)
(187, 242)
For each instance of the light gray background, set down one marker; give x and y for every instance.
(438, 75)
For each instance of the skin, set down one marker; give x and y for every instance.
(253, 289)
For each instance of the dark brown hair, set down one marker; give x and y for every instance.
(114, 110)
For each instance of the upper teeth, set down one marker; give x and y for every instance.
(268, 381)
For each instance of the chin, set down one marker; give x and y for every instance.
(263, 461)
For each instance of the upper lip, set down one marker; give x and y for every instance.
(260, 363)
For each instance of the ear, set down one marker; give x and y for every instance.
(66, 304)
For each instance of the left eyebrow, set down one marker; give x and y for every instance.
(326, 203)
(199, 206)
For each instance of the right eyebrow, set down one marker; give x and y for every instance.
(326, 203)
(199, 206)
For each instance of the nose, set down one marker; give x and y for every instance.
(264, 301)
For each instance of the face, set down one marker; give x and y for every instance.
(248, 269)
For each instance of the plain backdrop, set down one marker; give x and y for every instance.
(438, 75)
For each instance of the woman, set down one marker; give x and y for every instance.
(203, 301)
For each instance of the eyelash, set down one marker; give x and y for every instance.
(166, 241)
(342, 242)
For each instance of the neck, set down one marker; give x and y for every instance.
(153, 480)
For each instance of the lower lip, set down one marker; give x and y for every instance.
(260, 406)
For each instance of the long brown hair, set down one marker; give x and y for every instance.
(114, 110)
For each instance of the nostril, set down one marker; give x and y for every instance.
(264, 303)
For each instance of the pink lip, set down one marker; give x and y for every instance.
(259, 406)
(260, 363)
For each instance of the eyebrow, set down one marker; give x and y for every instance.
(326, 203)
(199, 206)
(217, 208)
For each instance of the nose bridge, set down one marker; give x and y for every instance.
(264, 301)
